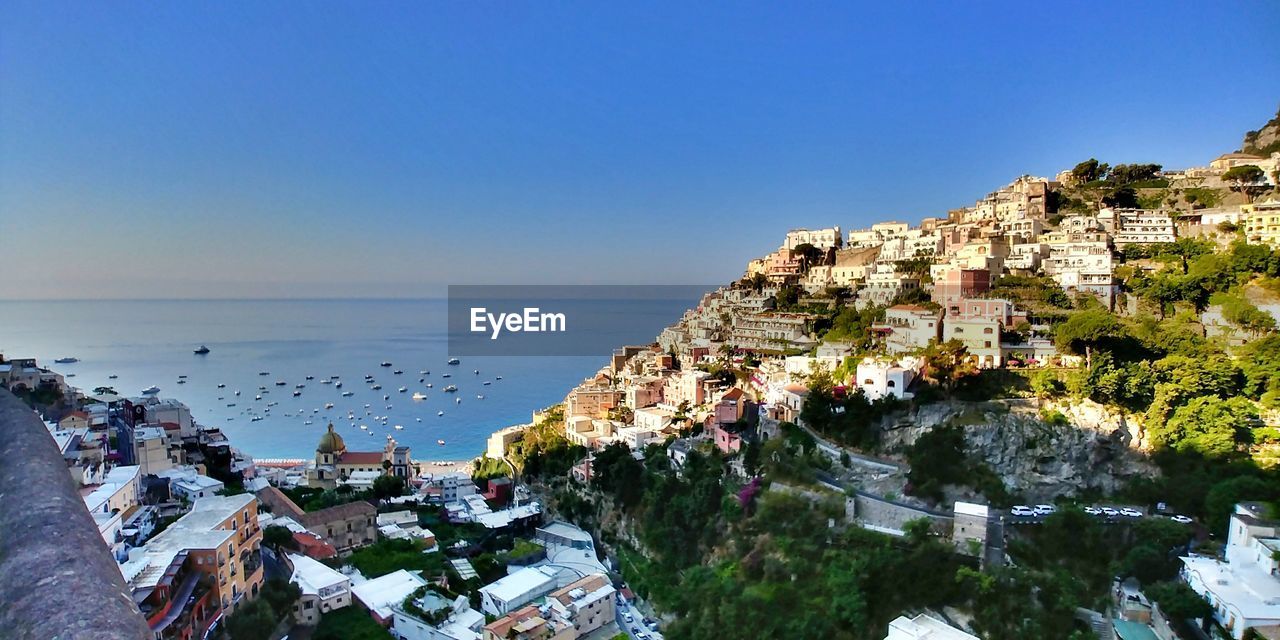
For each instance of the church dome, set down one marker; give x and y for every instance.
(331, 442)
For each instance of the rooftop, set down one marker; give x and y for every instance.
(312, 576)
(520, 583)
(381, 594)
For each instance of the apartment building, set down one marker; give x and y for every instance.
(1138, 226)
(980, 337)
(829, 238)
(907, 328)
(1262, 222)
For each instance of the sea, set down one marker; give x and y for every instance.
(256, 343)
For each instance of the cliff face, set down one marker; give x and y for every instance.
(1265, 140)
(1096, 449)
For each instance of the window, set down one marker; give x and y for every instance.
(987, 330)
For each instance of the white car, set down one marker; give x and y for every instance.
(1022, 510)
(627, 617)
(1130, 513)
(1093, 511)
(1044, 509)
(1109, 512)
(1181, 519)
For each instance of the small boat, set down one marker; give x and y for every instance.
(424, 372)
(221, 386)
(440, 413)
(450, 389)
(347, 394)
(151, 390)
(446, 376)
(396, 372)
(458, 400)
(418, 419)
(428, 385)
(237, 392)
(479, 397)
(306, 422)
(231, 404)
(326, 381)
(114, 376)
(385, 363)
(487, 383)
(398, 427)
(477, 372)
(440, 442)
(386, 397)
(67, 360)
(299, 386)
(365, 427)
(366, 405)
(281, 383)
(454, 361)
(72, 375)
(498, 378)
(297, 393)
(255, 419)
(328, 405)
(179, 382)
(257, 397)
(402, 389)
(311, 377)
(264, 373)
(201, 351)
(182, 377)
(337, 385)
(422, 379)
(376, 387)
(419, 395)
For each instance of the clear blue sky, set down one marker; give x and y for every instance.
(384, 149)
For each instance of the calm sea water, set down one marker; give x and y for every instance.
(150, 342)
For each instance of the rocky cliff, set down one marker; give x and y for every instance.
(1265, 140)
(1094, 448)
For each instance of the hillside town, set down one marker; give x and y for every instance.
(808, 401)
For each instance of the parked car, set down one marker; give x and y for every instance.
(627, 617)
(1109, 512)
(1093, 511)
(1044, 509)
(1022, 510)
(1181, 519)
(1130, 512)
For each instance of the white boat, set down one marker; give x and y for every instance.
(498, 378)
(201, 351)
(337, 385)
(347, 394)
(257, 397)
(402, 389)
(255, 419)
(151, 390)
(418, 419)
(237, 392)
(328, 405)
(72, 375)
(396, 372)
(479, 397)
(385, 363)
(311, 377)
(297, 393)
(221, 386)
(447, 375)
(67, 360)
(428, 385)
(487, 383)
(458, 400)
(398, 427)
(440, 442)
(376, 387)
(424, 372)
(450, 389)
(477, 372)
(440, 413)
(281, 383)
(454, 361)
(419, 396)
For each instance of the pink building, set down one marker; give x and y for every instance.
(997, 309)
(726, 441)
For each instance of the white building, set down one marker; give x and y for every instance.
(1244, 591)
(925, 627)
(820, 238)
(323, 589)
(381, 595)
(1138, 226)
(461, 622)
(880, 377)
(187, 483)
(516, 590)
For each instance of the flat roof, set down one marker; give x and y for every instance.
(524, 581)
(312, 576)
(381, 594)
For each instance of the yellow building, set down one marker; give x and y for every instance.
(1261, 221)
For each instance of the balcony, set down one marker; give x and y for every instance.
(51, 540)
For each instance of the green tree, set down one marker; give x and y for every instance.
(278, 537)
(1223, 497)
(1178, 601)
(1209, 426)
(1247, 179)
(948, 363)
(388, 486)
(1086, 331)
(1089, 171)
